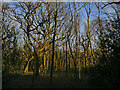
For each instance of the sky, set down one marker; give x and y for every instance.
(83, 15)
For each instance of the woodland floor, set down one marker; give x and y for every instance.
(43, 81)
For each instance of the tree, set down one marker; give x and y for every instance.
(9, 40)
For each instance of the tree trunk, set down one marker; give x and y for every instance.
(66, 60)
(53, 47)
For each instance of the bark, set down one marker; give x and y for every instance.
(53, 45)
(74, 61)
(66, 60)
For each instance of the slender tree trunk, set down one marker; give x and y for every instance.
(79, 63)
(37, 64)
(69, 62)
(60, 60)
(56, 55)
(53, 47)
(44, 53)
(74, 61)
(88, 35)
(85, 51)
(66, 60)
(51, 74)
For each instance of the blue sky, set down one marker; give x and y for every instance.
(83, 15)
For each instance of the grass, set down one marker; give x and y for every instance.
(43, 81)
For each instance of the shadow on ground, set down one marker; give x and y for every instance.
(42, 81)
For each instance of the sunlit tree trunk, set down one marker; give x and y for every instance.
(66, 59)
